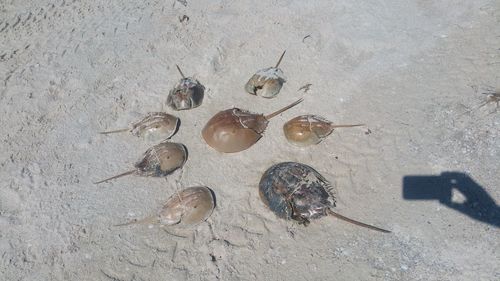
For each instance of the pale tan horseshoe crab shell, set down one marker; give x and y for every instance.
(306, 130)
(155, 126)
(158, 161)
(186, 208)
(267, 82)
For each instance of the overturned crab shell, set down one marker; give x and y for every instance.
(266, 82)
(187, 94)
(308, 130)
(156, 126)
(162, 159)
(296, 191)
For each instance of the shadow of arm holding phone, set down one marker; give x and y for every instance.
(477, 204)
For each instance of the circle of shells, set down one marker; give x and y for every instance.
(291, 190)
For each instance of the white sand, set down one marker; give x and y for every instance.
(409, 70)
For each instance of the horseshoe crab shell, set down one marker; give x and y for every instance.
(162, 159)
(190, 206)
(185, 208)
(158, 161)
(154, 126)
(306, 130)
(267, 82)
(298, 192)
(187, 94)
(233, 130)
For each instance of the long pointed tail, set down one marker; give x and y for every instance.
(180, 71)
(345, 126)
(117, 176)
(330, 212)
(279, 61)
(114, 131)
(283, 109)
(148, 220)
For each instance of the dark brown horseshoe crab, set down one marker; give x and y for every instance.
(298, 192)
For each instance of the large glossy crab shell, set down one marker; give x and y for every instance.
(234, 130)
(296, 191)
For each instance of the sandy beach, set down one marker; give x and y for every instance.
(425, 165)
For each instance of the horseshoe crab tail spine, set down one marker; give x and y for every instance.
(180, 71)
(148, 220)
(283, 109)
(117, 176)
(330, 212)
(279, 61)
(114, 131)
(332, 126)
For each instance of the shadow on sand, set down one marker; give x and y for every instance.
(476, 203)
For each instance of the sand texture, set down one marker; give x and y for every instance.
(412, 71)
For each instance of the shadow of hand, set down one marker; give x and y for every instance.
(477, 203)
